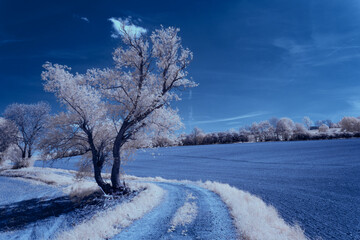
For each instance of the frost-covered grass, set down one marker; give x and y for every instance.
(45, 175)
(253, 218)
(63, 179)
(186, 214)
(107, 224)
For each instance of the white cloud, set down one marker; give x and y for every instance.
(249, 115)
(120, 25)
(85, 19)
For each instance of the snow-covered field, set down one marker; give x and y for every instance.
(312, 183)
(314, 186)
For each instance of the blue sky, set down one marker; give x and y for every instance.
(253, 59)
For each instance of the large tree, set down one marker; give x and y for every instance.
(134, 96)
(30, 120)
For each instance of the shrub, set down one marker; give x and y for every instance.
(323, 128)
(350, 124)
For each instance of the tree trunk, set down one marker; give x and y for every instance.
(98, 165)
(98, 161)
(115, 171)
(23, 152)
(29, 152)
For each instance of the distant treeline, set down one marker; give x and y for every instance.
(275, 129)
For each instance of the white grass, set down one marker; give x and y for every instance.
(186, 214)
(81, 189)
(107, 224)
(45, 175)
(56, 177)
(254, 219)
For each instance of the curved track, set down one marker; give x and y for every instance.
(186, 212)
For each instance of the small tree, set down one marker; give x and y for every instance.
(285, 128)
(30, 120)
(197, 135)
(323, 128)
(307, 122)
(350, 124)
(266, 131)
(300, 132)
(8, 136)
(300, 129)
(244, 133)
(255, 131)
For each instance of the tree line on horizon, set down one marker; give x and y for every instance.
(274, 129)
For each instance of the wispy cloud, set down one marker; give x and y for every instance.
(191, 116)
(321, 50)
(248, 115)
(190, 95)
(56, 53)
(121, 25)
(290, 46)
(354, 106)
(9, 41)
(85, 19)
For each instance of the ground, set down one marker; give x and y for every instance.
(52, 204)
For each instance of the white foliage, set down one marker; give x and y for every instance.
(262, 131)
(74, 92)
(350, 124)
(323, 128)
(300, 129)
(30, 120)
(13, 154)
(8, 138)
(285, 128)
(307, 122)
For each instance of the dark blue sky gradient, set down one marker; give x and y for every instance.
(253, 59)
